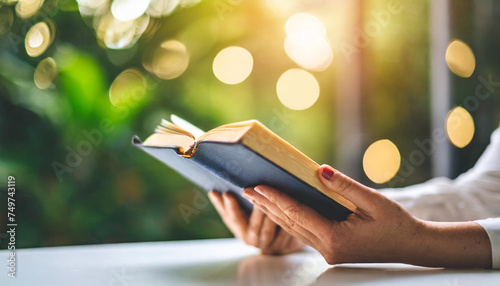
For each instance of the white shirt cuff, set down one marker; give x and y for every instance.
(492, 227)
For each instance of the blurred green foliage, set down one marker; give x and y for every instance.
(117, 193)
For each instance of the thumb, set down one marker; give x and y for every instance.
(362, 196)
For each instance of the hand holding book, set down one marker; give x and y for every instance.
(256, 229)
(380, 230)
(232, 157)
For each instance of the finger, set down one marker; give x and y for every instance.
(285, 232)
(281, 240)
(298, 213)
(279, 217)
(237, 219)
(267, 232)
(293, 245)
(286, 241)
(216, 199)
(255, 226)
(275, 247)
(362, 196)
(285, 248)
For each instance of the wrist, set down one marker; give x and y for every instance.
(450, 244)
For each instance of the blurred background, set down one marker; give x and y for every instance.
(392, 93)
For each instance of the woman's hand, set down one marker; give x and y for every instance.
(257, 230)
(379, 230)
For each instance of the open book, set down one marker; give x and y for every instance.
(244, 154)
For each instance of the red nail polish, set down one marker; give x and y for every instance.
(327, 173)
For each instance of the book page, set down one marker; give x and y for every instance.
(189, 127)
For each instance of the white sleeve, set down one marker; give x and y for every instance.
(473, 195)
(492, 227)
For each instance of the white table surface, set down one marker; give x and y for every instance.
(213, 262)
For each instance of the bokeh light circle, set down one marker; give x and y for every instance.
(91, 7)
(459, 127)
(45, 73)
(159, 8)
(28, 8)
(37, 39)
(233, 65)
(115, 34)
(128, 87)
(304, 21)
(297, 89)
(381, 161)
(306, 42)
(309, 50)
(460, 59)
(6, 19)
(168, 61)
(128, 10)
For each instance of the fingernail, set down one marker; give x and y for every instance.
(258, 189)
(247, 196)
(327, 173)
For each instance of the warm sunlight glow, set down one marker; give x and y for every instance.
(37, 39)
(233, 65)
(460, 59)
(297, 89)
(459, 127)
(168, 61)
(129, 86)
(381, 161)
(128, 10)
(45, 73)
(306, 44)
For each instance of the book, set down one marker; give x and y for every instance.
(245, 154)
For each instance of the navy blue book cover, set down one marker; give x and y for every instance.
(233, 167)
